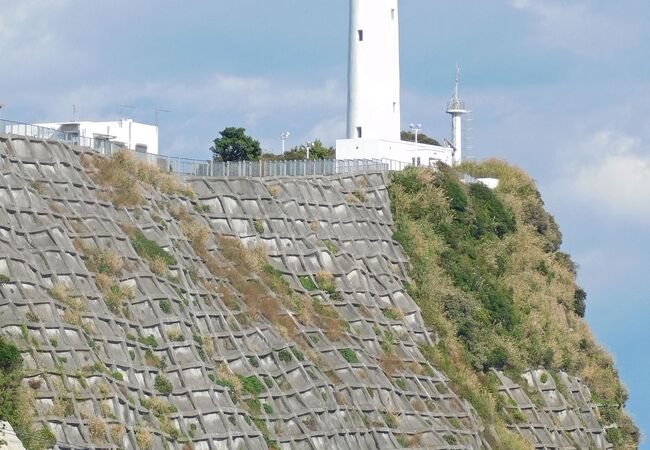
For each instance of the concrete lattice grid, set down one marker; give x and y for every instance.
(93, 378)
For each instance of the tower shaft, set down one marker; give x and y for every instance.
(374, 74)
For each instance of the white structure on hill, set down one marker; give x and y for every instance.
(457, 108)
(136, 136)
(373, 71)
(374, 119)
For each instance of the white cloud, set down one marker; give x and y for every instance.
(612, 177)
(574, 26)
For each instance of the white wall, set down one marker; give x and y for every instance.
(373, 70)
(126, 131)
(396, 150)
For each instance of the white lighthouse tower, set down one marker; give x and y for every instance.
(374, 118)
(373, 71)
(457, 108)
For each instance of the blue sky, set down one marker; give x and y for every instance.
(558, 87)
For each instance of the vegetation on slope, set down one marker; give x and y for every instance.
(17, 401)
(489, 277)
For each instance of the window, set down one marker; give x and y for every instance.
(360, 33)
(418, 160)
(140, 148)
(392, 14)
(359, 133)
(394, 107)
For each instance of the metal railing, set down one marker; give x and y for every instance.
(209, 168)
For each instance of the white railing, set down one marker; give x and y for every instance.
(210, 168)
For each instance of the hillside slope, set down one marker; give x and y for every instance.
(244, 313)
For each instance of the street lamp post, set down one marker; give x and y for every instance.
(416, 127)
(308, 147)
(2, 105)
(284, 136)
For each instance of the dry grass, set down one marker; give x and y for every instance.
(143, 437)
(175, 335)
(314, 225)
(117, 434)
(389, 362)
(103, 282)
(158, 266)
(59, 291)
(97, 429)
(224, 373)
(275, 190)
(124, 178)
(326, 281)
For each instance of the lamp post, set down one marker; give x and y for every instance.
(284, 136)
(416, 127)
(2, 105)
(308, 147)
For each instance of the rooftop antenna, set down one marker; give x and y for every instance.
(160, 110)
(457, 109)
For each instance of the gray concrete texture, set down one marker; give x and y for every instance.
(94, 381)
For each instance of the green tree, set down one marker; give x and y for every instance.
(235, 145)
(317, 151)
(422, 138)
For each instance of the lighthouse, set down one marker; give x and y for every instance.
(457, 109)
(373, 71)
(374, 109)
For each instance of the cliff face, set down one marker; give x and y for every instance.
(241, 313)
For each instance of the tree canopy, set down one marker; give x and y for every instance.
(422, 138)
(235, 145)
(317, 151)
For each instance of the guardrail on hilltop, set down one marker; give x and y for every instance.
(209, 168)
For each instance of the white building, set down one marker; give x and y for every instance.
(120, 133)
(374, 119)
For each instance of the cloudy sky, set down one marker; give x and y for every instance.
(558, 87)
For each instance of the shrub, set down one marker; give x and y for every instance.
(330, 246)
(307, 282)
(284, 355)
(148, 340)
(543, 378)
(268, 409)
(118, 375)
(150, 250)
(163, 385)
(349, 355)
(259, 225)
(10, 357)
(165, 306)
(4, 279)
(580, 302)
(252, 385)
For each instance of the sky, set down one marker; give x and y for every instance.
(560, 88)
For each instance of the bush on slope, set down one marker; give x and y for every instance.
(489, 277)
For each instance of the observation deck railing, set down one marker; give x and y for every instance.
(210, 168)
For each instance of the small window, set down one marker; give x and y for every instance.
(413, 160)
(359, 133)
(360, 33)
(394, 107)
(140, 148)
(392, 14)
(418, 160)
